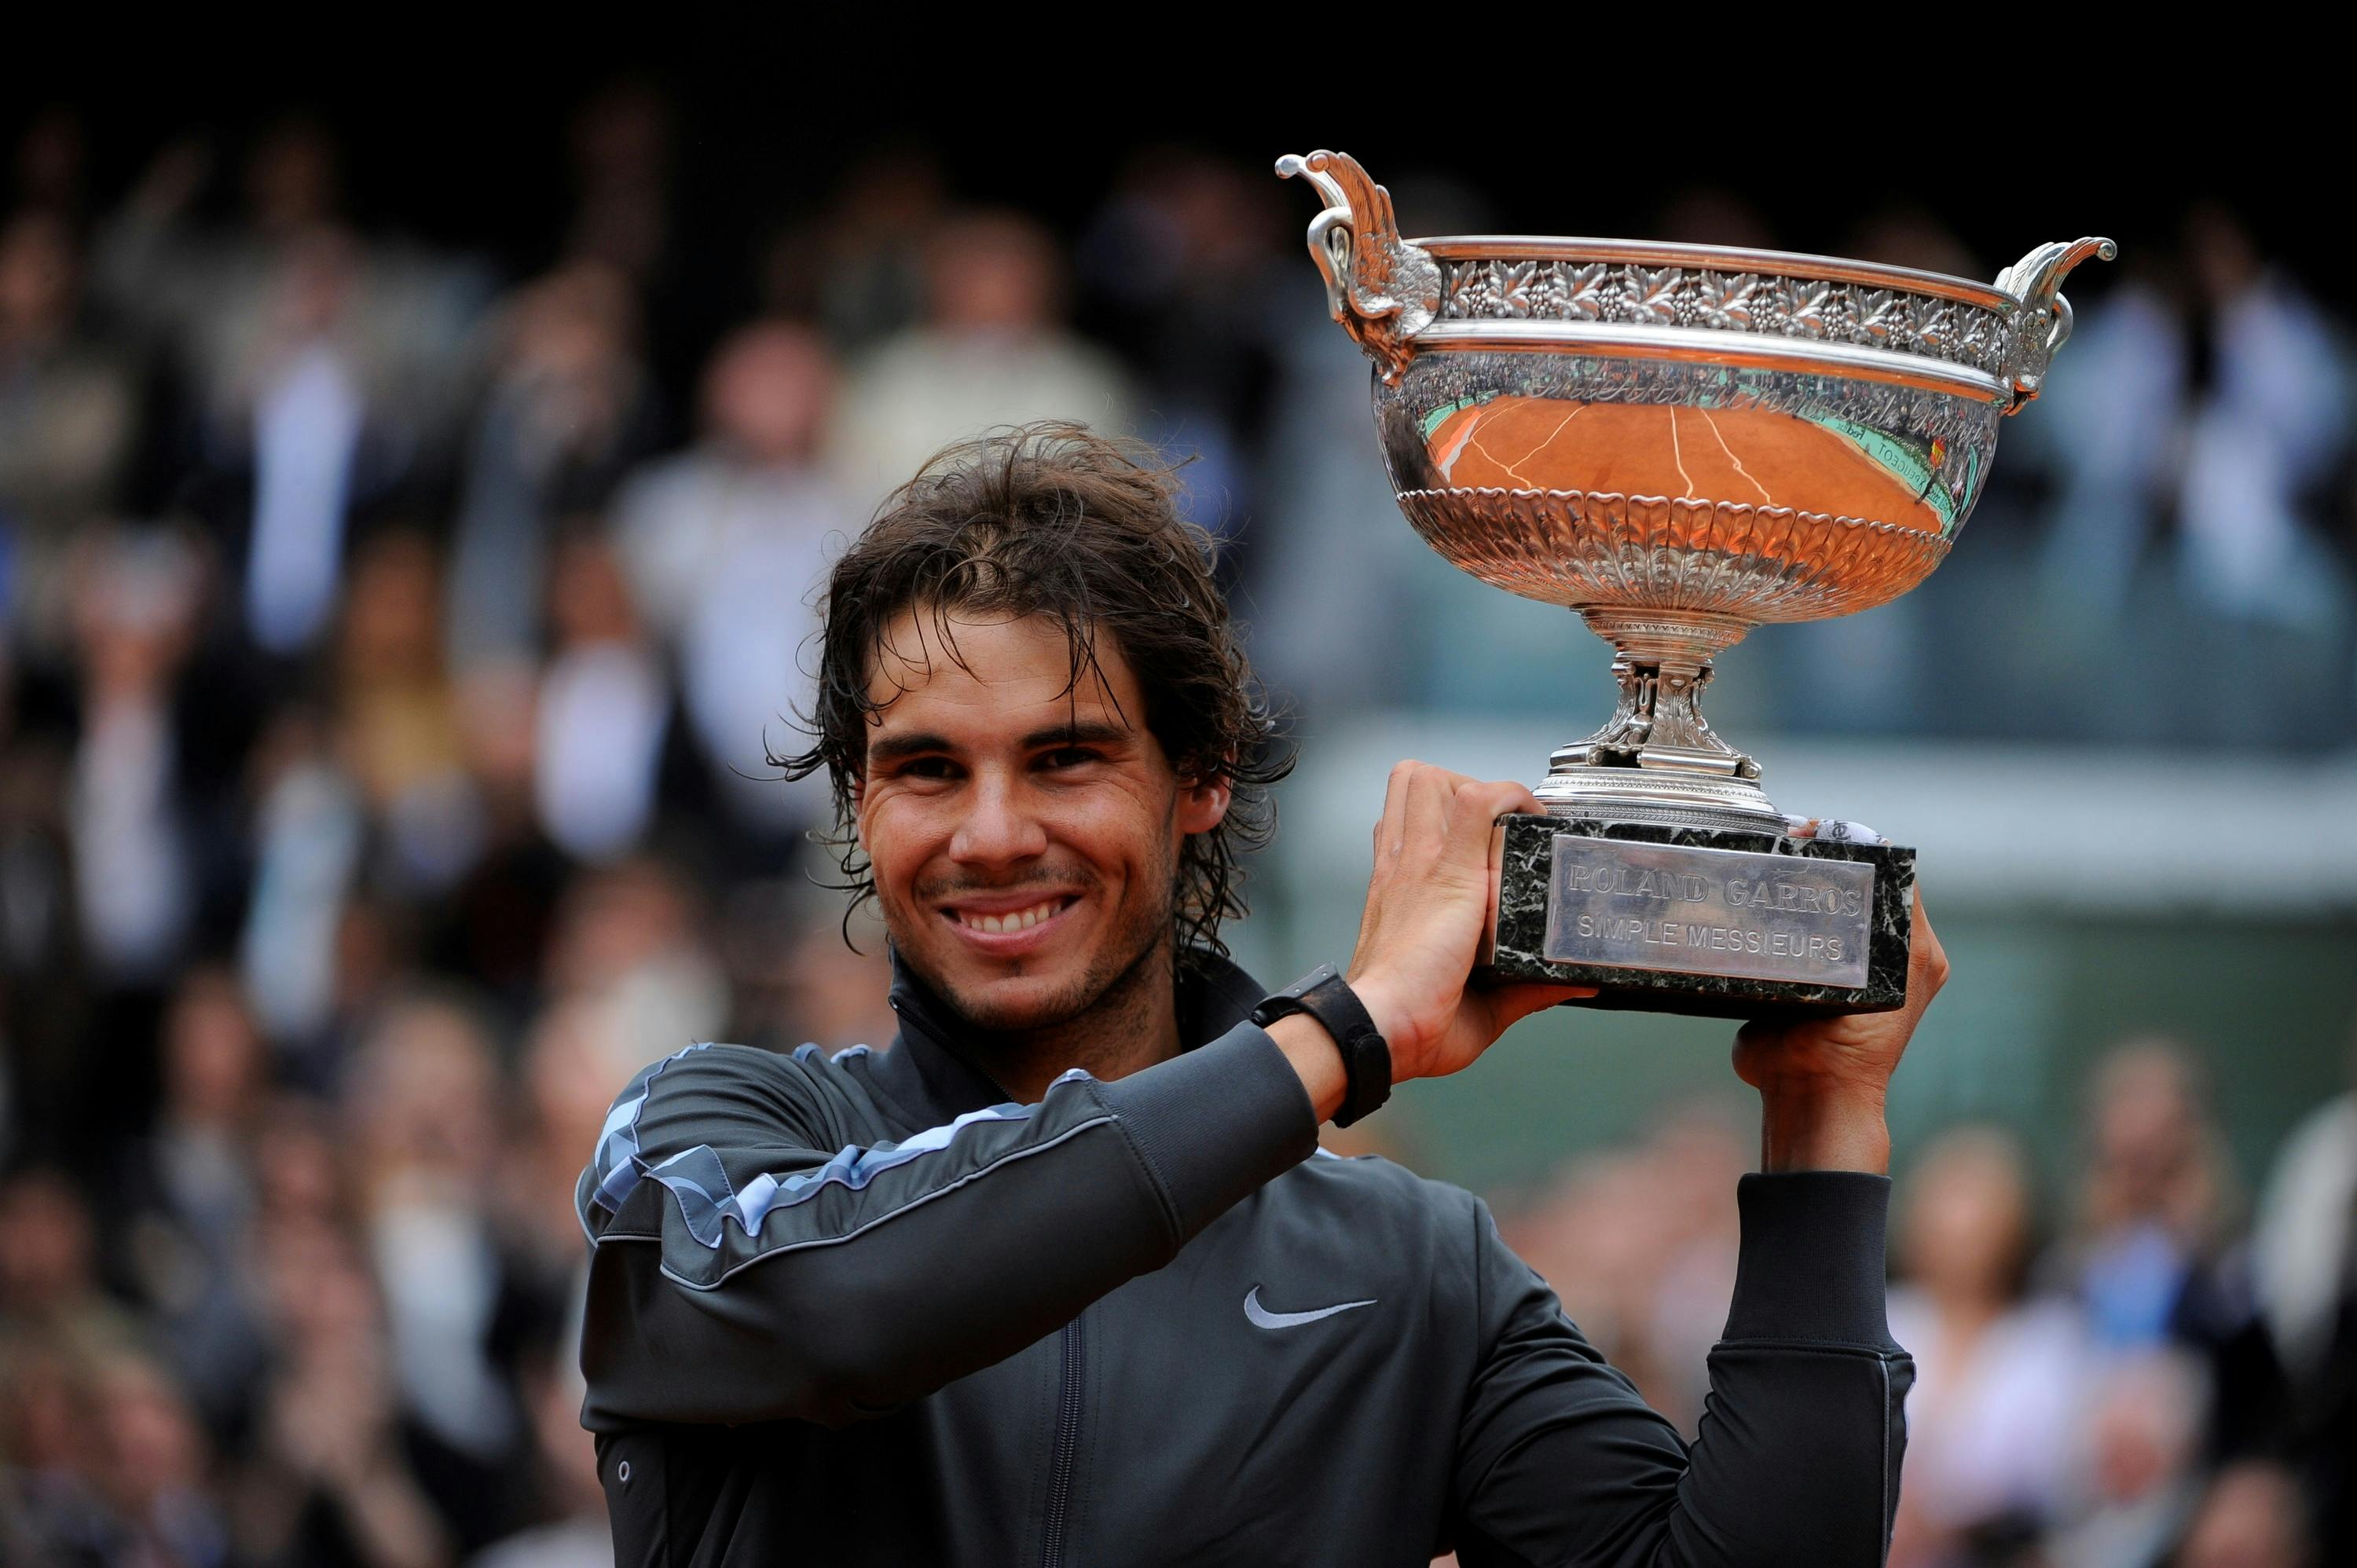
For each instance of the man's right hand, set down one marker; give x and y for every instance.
(1427, 904)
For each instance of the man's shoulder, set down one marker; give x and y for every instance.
(724, 1104)
(746, 1087)
(1373, 1183)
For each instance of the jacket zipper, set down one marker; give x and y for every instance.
(1067, 1448)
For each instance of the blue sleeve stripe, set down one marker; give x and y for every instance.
(617, 1160)
(699, 1183)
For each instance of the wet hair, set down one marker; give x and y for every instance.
(1050, 520)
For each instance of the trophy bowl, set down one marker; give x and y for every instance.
(1680, 443)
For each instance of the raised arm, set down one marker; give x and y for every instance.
(1797, 1457)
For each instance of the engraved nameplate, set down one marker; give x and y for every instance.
(1708, 911)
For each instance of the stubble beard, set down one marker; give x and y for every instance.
(1111, 1003)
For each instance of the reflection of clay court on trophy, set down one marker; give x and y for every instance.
(1679, 442)
(1752, 455)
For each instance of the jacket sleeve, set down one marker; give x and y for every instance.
(751, 1260)
(1796, 1460)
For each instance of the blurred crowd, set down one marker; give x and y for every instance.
(2122, 1359)
(393, 640)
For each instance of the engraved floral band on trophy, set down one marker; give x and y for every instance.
(1680, 442)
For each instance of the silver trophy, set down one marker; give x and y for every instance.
(1680, 442)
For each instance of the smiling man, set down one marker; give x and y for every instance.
(1056, 1278)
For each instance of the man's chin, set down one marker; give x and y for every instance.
(1044, 998)
(1016, 1006)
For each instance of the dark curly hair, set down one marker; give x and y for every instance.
(1051, 520)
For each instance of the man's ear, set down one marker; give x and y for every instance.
(1204, 804)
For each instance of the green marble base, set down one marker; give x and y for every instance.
(1675, 969)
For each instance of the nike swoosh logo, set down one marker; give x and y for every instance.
(1261, 1317)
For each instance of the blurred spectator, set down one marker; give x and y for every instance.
(2270, 424)
(2252, 1518)
(991, 350)
(308, 830)
(309, 404)
(493, 925)
(1999, 1378)
(134, 613)
(2153, 1200)
(605, 711)
(632, 936)
(568, 409)
(329, 1478)
(2111, 435)
(2142, 1442)
(70, 404)
(53, 160)
(2307, 1272)
(725, 550)
(2159, 1258)
(2303, 1240)
(155, 1474)
(424, 1117)
(50, 1504)
(397, 716)
(577, 1536)
(621, 147)
(860, 270)
(187, 1199)
(1184, 266)
(49, 1270)
(800, 970)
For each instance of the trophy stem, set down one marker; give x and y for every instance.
(1657, 759)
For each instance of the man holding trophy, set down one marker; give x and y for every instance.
(1055, 1278)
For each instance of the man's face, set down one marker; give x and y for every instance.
(1024, 830)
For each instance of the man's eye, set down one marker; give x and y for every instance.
(929, 768)
(1067, 756)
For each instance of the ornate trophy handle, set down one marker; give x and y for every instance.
(2042, 323)
(1382, 289)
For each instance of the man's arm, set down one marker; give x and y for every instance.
(1797, 1457)
(752, 1262)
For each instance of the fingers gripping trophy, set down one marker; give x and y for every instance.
(1680, 442)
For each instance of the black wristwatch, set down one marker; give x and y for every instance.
(1366, 1060)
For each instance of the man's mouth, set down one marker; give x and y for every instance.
(1006, 922)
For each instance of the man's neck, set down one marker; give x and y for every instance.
(1134, 1024)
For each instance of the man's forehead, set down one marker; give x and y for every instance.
(931, 662)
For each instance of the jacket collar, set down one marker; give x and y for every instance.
(929, 1074)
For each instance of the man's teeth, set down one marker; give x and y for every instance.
(1018, 920)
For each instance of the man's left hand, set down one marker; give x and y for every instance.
(1822, 1082)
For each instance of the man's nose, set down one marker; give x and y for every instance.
(998, 828)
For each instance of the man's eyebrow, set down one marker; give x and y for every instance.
(893, 749)
(1079, 732)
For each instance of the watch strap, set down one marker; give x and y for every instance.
(1326, 996)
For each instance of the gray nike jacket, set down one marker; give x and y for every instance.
(860, 1309)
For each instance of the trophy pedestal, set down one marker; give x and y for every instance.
(1720, 923)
